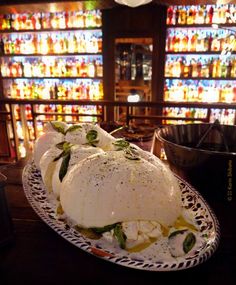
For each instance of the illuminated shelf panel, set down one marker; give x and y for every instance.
(201, 15)
(56, 42)
(209, 91)
(54, 88)
(52, 67)
(225, 116)
(200, 67)
(195, 69)
(44, 21)
(198, 40)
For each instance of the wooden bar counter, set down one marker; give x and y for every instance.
(38, 255)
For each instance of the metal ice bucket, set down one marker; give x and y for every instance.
(211, 166)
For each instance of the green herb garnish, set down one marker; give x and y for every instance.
(64, 166)
(121, 144)
(60, 145)
(65, 155)
(72, 129)
(65, 147)
(104, 229)
(120, 235)
(118, 232)
(189, 242)
(58, 127)
(130, 152)
(91, 137)
(175, 233)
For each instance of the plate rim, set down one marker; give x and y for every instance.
(108, 256)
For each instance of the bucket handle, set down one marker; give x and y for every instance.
(216, 125)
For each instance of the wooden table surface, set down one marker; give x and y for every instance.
(38, 255)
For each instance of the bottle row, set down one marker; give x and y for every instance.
(204, 40)
(59, 20)
(66, 109)
(88, 66)
(204, 66)
(54, 89)
(201, 14)
(225, 116)
(200, 91)
(53, 42)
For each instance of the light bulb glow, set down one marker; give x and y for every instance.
(133, 98)
(133, 3)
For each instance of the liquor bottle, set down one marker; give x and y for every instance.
(170, 16)
(200, 17)
(1, 46)
(191, 14)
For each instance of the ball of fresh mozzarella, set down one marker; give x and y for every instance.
(79, 136)
(47, 166)
(44, 142)
(108, 188)
(78, 153)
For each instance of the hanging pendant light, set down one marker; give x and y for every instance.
(133, 3)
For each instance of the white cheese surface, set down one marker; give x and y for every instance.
(108, 188)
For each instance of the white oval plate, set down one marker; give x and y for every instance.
(156, 261)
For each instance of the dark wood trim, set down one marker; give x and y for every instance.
(201, 78)
(5, 150)
(159, 54)
(108, 60)
(179, 53)
(154, 104)
(200, 26)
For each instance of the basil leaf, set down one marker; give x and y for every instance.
(131, 154)
(91, 137)
(67, 146)
(120, 235)
(60, 145)
(121, 144)
(58, 127)
(64, 166)
(63, 153)
(173, 234)
(103, 229)
(189, 242)
(72, 129)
